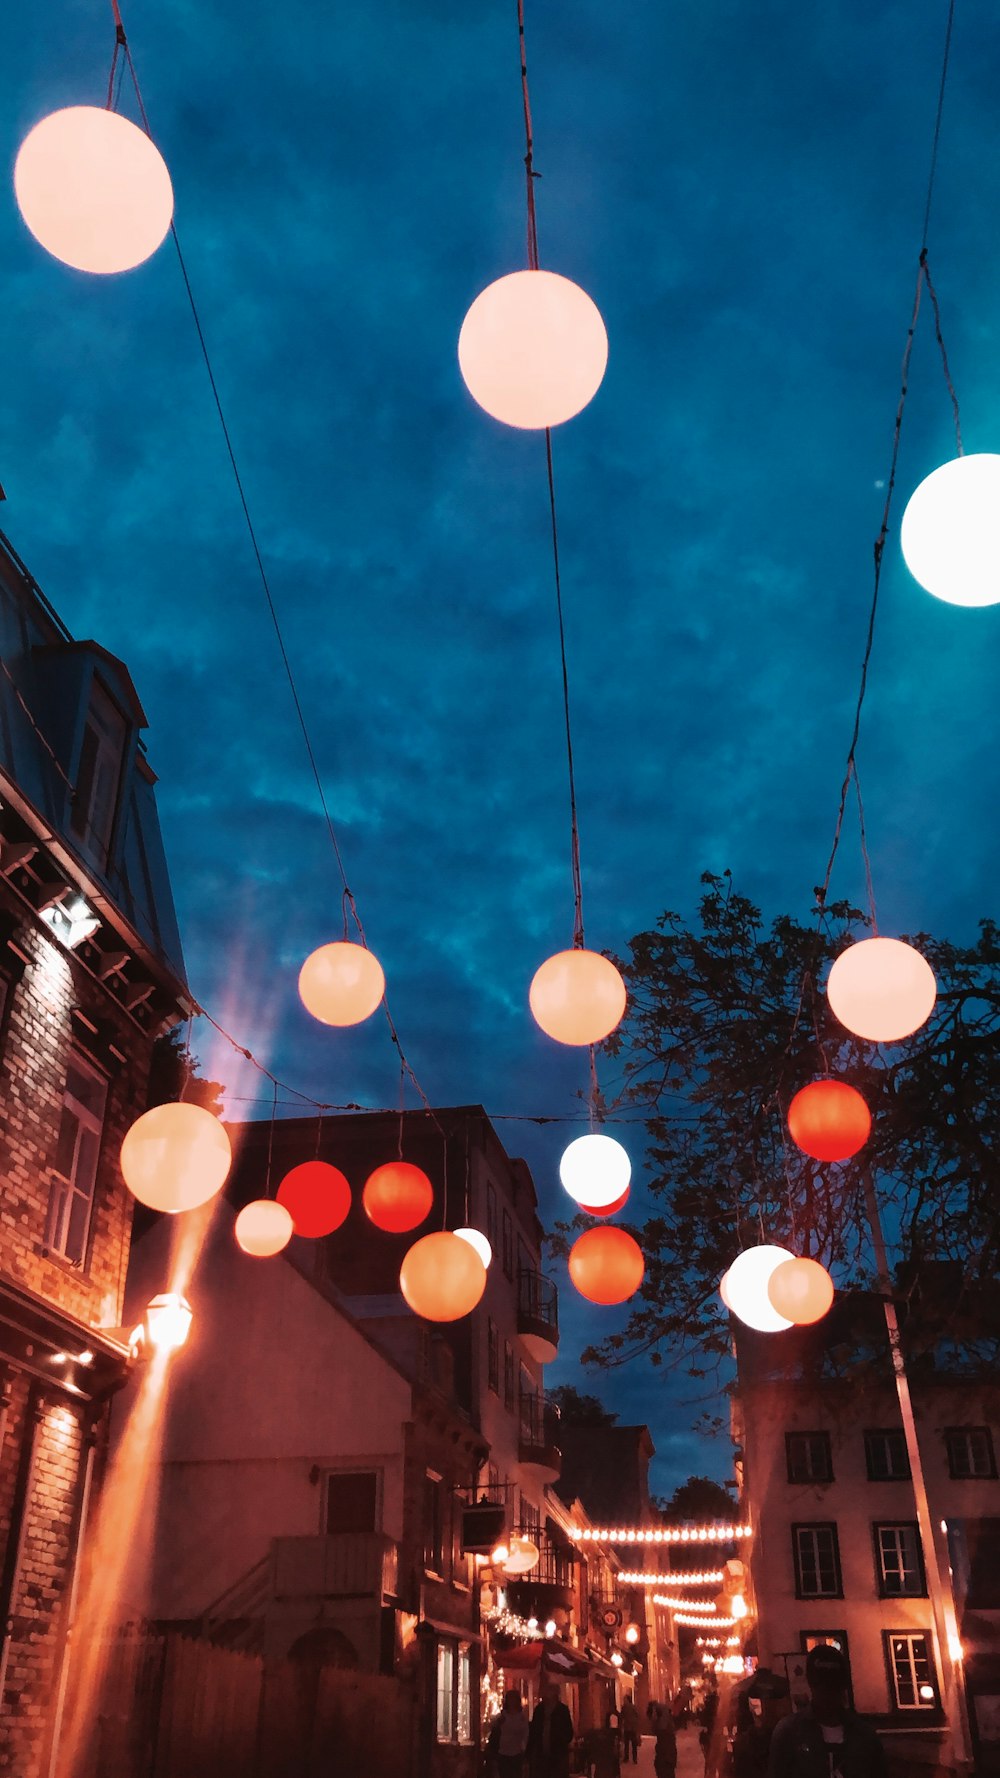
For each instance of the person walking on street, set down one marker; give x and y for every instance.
(605, 1756)
(508, 1742)
(665, 1750)
(550, 1736)
(827, 1740)
(628, 1723)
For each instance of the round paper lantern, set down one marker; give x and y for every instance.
(881, 989)
(829, 1120)
(577, 997)
(724, 1290)
(801, 1290)
(317, 1198)
(523, 1556)
(533, 349)
(397, 1197)
(93, 189)
(606, 1265)
(442, 1277)
(595, 1170)
(263, 1228)
(176, 1157)
(950, 534)
(341, 983)
(746, 1287)
(479, 1244)
(609, 1209)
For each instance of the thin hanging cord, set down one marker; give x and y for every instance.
(270, 1141)
(530, 177)
(938, 335)
(937, 127)
(869, 884)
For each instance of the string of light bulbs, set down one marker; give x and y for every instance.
(696, 1620)
(712, 1532)
(648, 1577)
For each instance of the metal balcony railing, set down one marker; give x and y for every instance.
(538, 1443)
(538, 1314)
(346, 1565)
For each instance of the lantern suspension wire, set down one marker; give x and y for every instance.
(530, 177)
(349, 903)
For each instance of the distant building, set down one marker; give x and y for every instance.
(836, 1551)
(90, 973)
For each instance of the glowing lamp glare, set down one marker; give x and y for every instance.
(801, 1290)
(606, 1265)
(93, 189)
(442, 1278)
(263, 1228)
(175, 1157)
(523, 1556)
(746, 1285)
(317, 1198)
(950, 534)
(577, 997)
(341, 983)
(478, 1242)
(595, 1170)
(881, 989)
(533, 349)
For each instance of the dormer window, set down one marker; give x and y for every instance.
(102, 752)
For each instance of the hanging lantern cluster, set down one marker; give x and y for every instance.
(770, 1289)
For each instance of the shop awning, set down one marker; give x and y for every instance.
(555, 1659)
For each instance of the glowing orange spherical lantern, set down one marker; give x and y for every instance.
(608, 1209)
(801, 1290)
(93, 189)
(577, 997)
(341, 983)
(533, 349)
(606, 1265)
(176, 1157)
(317, 1198)
(882, 989)
(397, 1197)
(442, 1277)
(263, 1228)
(829, 1120)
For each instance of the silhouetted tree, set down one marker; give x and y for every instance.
(727, 1019)
(173, 1075)
(577, 1409)
(697, 1498)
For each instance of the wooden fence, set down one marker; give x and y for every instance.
(168, 1706)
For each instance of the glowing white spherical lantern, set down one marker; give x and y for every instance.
(477, 1240)
(881, 989)
(533, 349)
(577, 997)
(950, 535)
(263, 1228)
(523, 1556)
(746, 1287)
(724, 1290)
(176, 1157)
(595, 1170)
(341, 983)
(93, 189)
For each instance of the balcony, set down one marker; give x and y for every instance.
(538, 1315)
(538, 1445)
(550, 1586)
(348, 1565)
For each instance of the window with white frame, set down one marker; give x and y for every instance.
(911, 1670)
(446, 1691)
(970, 1452)
(102, 754)
(81, 1126)
(899, 1561)
(808, 1457)
(817, 1561)
(886, 1458)
(464, 1710)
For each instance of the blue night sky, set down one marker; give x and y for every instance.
(740, 188)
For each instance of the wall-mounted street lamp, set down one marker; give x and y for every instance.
(165, 1325)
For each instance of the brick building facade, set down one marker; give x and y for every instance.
(90, 974)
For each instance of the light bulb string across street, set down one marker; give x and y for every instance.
(716, 1532)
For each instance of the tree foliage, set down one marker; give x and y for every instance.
(577, 1409)
(174, 1075)
(727, 1019)
(698, 1498)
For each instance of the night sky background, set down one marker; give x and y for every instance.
(740, 188)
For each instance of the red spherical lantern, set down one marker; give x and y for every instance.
(317, 1198)
(442, 1277)
(606, 1265)
(397, 1198)
(801, 1290)
(829, 1120)
(609, 1209)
